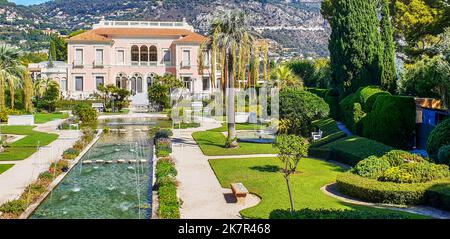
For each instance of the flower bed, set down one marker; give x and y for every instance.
(169, 204)
(34, 191)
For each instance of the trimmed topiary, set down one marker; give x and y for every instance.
(371, 167)
(444, 155)
(439, 137)
(392, 121)
(415, 173)
(376, 191)
(398, 157)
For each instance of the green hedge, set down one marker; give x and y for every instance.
(439, 196)
(373, 190)
(354, 107)
(308, 213)
(70, 104)
(169, 204)
(392, 121)
(439, 137)
(352, 149)
(328, 139)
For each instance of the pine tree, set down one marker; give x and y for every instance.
(389, 75)
(52, 51)
(355, 45)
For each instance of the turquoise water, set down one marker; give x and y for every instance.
(105, 191)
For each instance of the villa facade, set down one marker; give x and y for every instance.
(129, 54)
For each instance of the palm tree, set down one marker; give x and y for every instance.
(230, 33)
(285, 77)
(11, 71)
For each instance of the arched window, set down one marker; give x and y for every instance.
(121, 80)
(134, 53)
(144, 53)
(136, 83)
(153, 53)
(150, 79)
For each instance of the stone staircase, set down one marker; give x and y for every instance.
(139, 103)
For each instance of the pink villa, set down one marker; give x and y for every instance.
(129, 54)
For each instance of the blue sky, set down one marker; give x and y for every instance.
(28, 2)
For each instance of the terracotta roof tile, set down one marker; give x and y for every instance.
(89, 36)
(101, 33)
(192, 38)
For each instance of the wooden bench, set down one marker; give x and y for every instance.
(239, 191)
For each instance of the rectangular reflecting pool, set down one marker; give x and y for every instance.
(106, 191)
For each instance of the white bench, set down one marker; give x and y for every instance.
(98, 106)
(317, 135)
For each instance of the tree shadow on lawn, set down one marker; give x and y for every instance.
(267, 168)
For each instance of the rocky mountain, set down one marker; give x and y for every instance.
(296, 25)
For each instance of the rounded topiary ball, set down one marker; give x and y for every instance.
(444, 155)
(371, 167)
(439, 137)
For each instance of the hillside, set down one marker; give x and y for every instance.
(293, 24)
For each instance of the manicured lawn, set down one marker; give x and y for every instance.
(213, 144)
(4, 167)
(261, 176)
(41, 118)
(25, 147)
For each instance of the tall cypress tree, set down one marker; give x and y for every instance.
(389, 75)
(355, 44)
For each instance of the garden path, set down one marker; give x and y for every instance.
(199, 189)
(14, 181)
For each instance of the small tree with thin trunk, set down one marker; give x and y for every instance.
(292, 149)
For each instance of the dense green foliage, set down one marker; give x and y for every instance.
(350, 150)
(428, 78)
(392, 121)
(355, 45)
(373, 190)
(444, 155)
(86, 113)
(159, 91)
(354, 107)
(169, 204)
(415, 173)
(389, 72)
(313, 73)
(399, 157)
(333, 214)
(371, 167)
(439, 137)
(300, 108)
(114, 98)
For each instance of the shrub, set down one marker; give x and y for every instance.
(439, 137)
(71, 153)
(415, 173)
(371, 167)
(79, 145)
(86, 113)
(444, 155)
(301, 108)
(308, 213)
(439, 196)
(71, 104)
(376, 191)
(164, 144)
(163, 133)
(398, 157)
(14, 207)
(354, 106)
(46, 176)
(162, 153)
(350, 150)
(332, 99)
(167, 189)
(392, 121)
